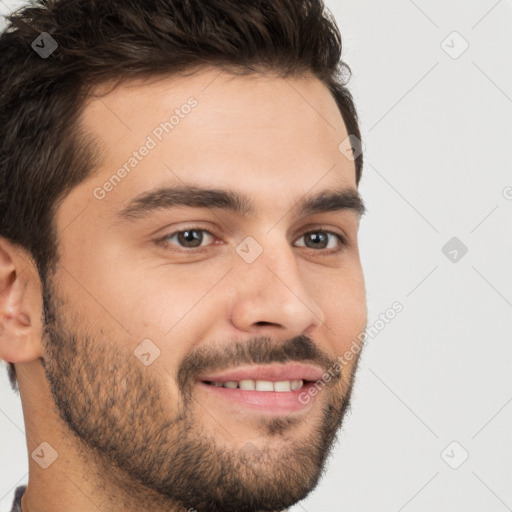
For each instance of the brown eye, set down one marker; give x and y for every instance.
(322, 240)
(317, 240)
(188, 238)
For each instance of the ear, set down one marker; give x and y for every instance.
(20, 306)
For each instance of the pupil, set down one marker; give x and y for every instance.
(189, 237)
(318, 237)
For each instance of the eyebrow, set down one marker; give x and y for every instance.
(229, 200)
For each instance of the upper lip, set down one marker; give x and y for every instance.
(274, 373)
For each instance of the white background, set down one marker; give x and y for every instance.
(438, 132)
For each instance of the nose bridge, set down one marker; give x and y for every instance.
(270, 288)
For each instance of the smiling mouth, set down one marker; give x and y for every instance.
(274, 398)
(282, 386)
(266, 389)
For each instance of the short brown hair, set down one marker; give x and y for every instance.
(44, 154)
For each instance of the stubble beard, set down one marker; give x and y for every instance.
(151, 455)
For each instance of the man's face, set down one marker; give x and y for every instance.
(154, 302)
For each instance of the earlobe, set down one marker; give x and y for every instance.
(20, 339)
(18, 345)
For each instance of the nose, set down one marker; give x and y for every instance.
(272, 293)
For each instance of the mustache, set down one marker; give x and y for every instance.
(254, 351)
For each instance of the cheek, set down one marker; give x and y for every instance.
(148, 298)
(175, 308)
(125, 307)
(346, 312)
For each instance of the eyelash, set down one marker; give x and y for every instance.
(342, 241)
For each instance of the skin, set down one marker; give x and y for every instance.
(136, 437)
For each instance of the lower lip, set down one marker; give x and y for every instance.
(273, 402)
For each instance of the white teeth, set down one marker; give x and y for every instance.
(262, 385)
(296, 384)
(248, 385)
(284, 385)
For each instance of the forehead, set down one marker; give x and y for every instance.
(219, 92)
(266, 134)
